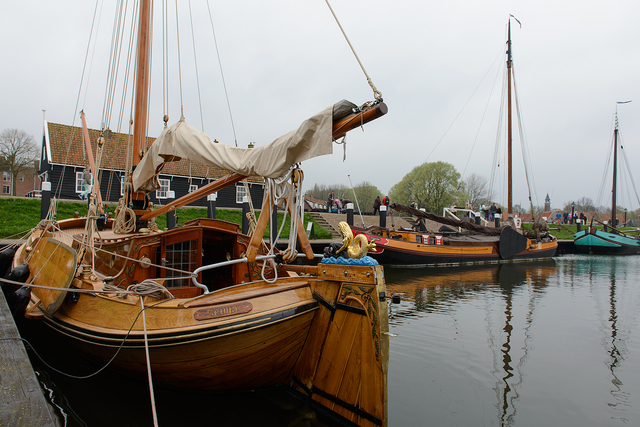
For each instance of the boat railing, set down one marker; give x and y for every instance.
(452, 212)
(204, 287)
(194, 278)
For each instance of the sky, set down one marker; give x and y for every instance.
(437, 64)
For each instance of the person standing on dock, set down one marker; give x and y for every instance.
(376, 205)
(330, 201)
(386, 203)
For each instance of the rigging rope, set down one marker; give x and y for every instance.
(376, 93)
(224, 84)
(179, 62)
(195, 60)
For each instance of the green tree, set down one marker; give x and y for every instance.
(322, 191)
(365, 193)
(433, 186)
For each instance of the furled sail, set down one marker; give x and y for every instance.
(182, 141)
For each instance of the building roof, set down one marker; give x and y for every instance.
(66, 147)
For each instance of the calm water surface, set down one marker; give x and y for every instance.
(528, 344)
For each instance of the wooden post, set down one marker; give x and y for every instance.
(383, 216)
(45, 199)
(350, 214)
(245, 211)
(274, 222)
(171, 220)
(211, 205)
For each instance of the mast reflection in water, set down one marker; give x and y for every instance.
(522, 344)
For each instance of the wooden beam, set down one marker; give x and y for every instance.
(305, 246)
(353, 121)
(340, 128)
(92, 164)
(203, 191)
(263, 220)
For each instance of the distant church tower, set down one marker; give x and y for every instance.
(547, 203)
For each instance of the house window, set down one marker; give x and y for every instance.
(164, 188)
(6, 176)
(192, 188)
(79, 186)
(240, 193)
(21, 178)
(6, 189)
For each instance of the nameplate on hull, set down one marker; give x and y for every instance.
(223, 311)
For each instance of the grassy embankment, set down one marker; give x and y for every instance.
(18, 216)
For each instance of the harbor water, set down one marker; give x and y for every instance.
(551, 343)
(522, 344)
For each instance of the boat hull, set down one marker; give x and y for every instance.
(405, 251)
(324, 333)
(597, 242)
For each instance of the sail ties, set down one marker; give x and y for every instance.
(376, 93)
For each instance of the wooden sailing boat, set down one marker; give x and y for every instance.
(204, 306)
(594, 241)
(402, 247)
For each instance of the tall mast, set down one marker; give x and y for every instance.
(509, 169)
(615, 172)
(143, 63)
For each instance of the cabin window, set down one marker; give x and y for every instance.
(181, 256)
(192, 188)
(164, 189)
(241, 191)
(6, 176)
(6, 189)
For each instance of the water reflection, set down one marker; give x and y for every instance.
(441, 289)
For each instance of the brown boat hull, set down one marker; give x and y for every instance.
(406, 248)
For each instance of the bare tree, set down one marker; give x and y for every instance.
(476, 189)
(18, 152)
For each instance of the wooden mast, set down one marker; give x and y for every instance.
(615, 173)
(509, 138)
(143, 65)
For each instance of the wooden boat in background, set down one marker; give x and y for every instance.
(470, 243)
(616, 242)
(475, 244)
(204, 306)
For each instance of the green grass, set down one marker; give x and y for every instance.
(18, 216)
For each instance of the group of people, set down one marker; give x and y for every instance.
(377, 203)
(489, 213)
(337, 205)
(568, 218)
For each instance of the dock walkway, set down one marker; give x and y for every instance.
(22, 402)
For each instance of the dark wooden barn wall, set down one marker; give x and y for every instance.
(180, 185)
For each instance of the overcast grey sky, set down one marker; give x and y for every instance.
(286, 60)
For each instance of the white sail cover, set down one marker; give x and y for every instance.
(182, 141)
